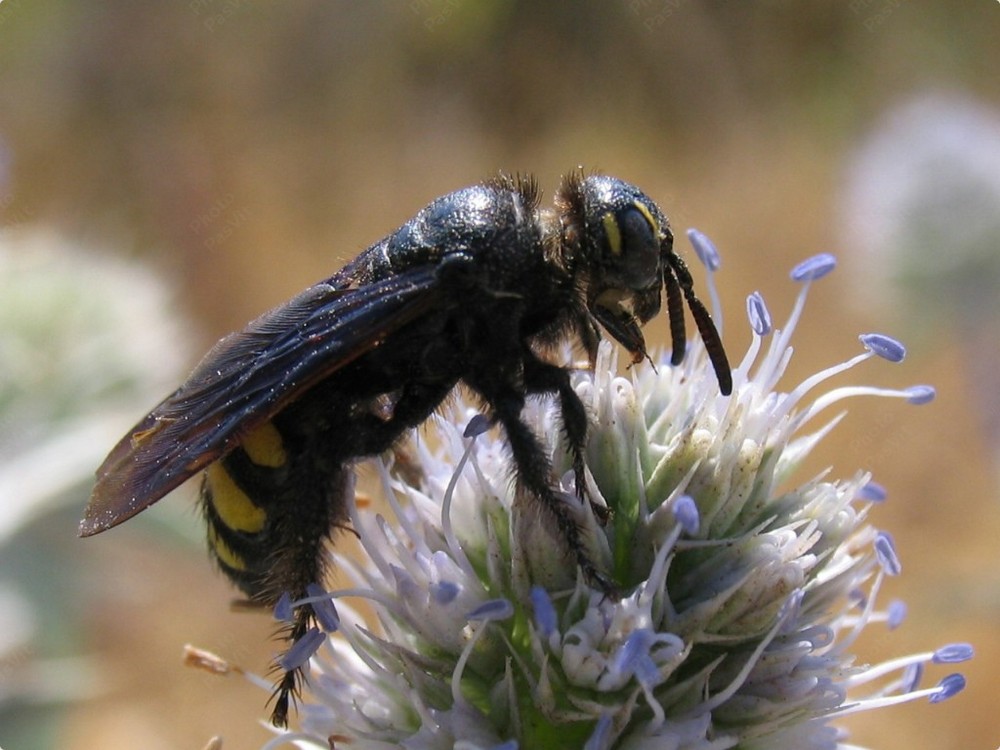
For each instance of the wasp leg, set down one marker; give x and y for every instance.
(533, 474)
(289, 687)
(301, 559)
(373, 434)
(543, 377)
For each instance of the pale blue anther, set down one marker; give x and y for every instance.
(283, 608)
(302, 650)
(912, 676)
(873, 492)
(920, 394)
(633, 657)
(885, 553)
(477, 426)
(814, 268)
(895, 613)
(494, 609)
(686, 514)
(324, 609)
(883, 346)
(953, 653)
(705, 249)
(444, 592)
(545, 614)
(949, 686)
(759, 315)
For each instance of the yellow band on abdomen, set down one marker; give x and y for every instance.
(264, 446)
(234, 508)
(223, 551)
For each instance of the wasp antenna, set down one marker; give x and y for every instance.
(675, 313)
(702, 318)
(713, 344)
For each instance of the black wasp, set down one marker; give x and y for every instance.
(473, 290)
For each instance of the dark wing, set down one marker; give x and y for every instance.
(245, 380)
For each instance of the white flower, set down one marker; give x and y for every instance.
(921, 209)
(84, 338)
(744, 588)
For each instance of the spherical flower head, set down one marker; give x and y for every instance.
(85, 340)
(921, 206)
(742, 586)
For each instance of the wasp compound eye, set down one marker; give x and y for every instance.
(640, 249)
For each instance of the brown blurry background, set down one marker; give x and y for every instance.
(246, 150)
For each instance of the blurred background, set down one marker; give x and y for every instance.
(170, 170)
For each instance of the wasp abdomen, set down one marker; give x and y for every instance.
(237, 528)
(247, 495)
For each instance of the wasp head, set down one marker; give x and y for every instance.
(626, 256)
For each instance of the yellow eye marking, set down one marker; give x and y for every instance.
(223, 551)
(264, 446)
(613, 232)
(641, 208)
(236, 510)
